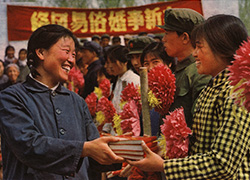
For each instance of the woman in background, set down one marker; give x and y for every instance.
(120, 67)
(12, 71)
(154, 54)
(22, 64)
(9, 55)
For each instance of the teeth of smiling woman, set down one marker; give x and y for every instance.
(67, 68)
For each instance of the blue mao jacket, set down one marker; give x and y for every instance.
(43, 132)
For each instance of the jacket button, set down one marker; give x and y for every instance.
(58, 111)
(53, 93)
(62, 131)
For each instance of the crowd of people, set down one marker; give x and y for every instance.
(48, 131)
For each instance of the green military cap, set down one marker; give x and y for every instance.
(136, 45)
(95, 37)
(105, 36)
(181, 20)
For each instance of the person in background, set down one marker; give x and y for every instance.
(120, 67)
(136, 46)
(3, 77)
(116, 40)
(96, 38)
(22, 64)
(91, 52)
(220, 145)
(46, 130)
(12, 71)
(179, 23)
(9, 55)
(79, 60)
(126, 39)
(154, 54)
(83, 40)
(105, 40)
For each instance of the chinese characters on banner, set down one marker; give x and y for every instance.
(23, 20)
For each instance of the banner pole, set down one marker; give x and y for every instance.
(144, 98)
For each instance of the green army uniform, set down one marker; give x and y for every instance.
(188, 82)
(188, 86)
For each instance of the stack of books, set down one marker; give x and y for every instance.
(129, 149)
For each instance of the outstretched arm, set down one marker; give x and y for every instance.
(99, 150)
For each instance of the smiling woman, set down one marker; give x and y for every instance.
(51, 62)
(46, 130)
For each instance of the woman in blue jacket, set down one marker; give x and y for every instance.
(47, 131)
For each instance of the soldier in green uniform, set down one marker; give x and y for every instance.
(177, 40)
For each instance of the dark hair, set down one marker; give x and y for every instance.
(8, 48)
(116, 39)
(45, 37)
(158, 50)
(117, 52)
(223, 33)
(23, 49)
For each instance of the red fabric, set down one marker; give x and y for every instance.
(137, 174)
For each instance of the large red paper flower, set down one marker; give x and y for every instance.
(240, 75)
(176, 134)
(107, 108)
(91, 101)
(131, 125)
(130, 118)
(131, 92)
(161, 81)
(129, 110)
(105, 87)
(75, 80)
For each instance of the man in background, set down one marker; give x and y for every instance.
(91, 52)
(178, 26)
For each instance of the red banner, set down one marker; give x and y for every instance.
(23, 20)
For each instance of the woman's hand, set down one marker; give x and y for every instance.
(151, 163)
(99, 150)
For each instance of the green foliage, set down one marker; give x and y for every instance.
(67, 3)
(244, 13)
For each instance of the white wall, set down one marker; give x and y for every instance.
(3, 29)
(210, 7)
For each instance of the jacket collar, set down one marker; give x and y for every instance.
(219, 79)
(34, 86)
(184, 63)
